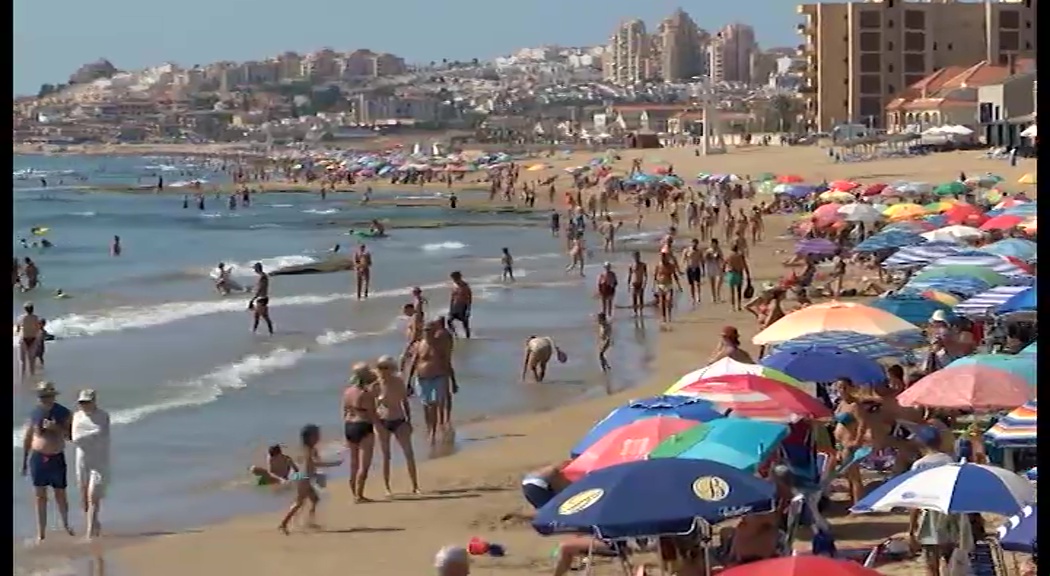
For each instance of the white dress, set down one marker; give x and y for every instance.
(91, 438)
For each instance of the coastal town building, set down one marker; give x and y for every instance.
(1006, 108)
(628, 59)
(861, 55)
(731, 52)
(682, 48)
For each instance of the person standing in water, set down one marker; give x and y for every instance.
(31, 273)
(363, 270)
(508, 266)
(260, 302)
(604, 340)
(637, 278)
(395, 419)
(114, 248)
(359, 423)
(43, 455)
(90, 434)
(430, 365)
(607, 284)
(31, 331)
(577, 254)
(460, 302)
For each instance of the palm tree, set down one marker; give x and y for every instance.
(781, 109)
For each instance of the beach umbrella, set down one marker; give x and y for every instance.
(888, 240)
(936, 270)
(816, 247)
(1017, 429)
(921, 255)
(843, 185)
(863, 344)
(938, 207)
(625, 444)
(684, 407)
(741, 443)
(730, 367)
(961, 285)
(836, 196)
(537, 167)
(987, 301)
(793, 190)
(968, 387)
(756, 397)
(674, 181)
(952, 489)
(833, 315)
(905, 211)
(955, 188)
(858, 212)
(1002, 222)
(765, 176)
(1031, 348)
(1018, 533)
(653, 497)
(1022, 209)
(827, 210)
(1020, 365)
(914, 309)
(1013, 247)
(955, 234)
(804, 565)
(935, 220)
(913, 188)
(873, 189)
(984, 180)
(962, 213)
(976, 258)
(941, 297)
(1024, 301)
(1030, 226)
(826, 364)
(789, 179)
(914, 226)
(1027, 179)
(1009, 203)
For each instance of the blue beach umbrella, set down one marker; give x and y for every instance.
(741, 443)
(672, 180)
(889, 240)
(872, 347)
(914, 309)
(952, 489)
(921, 255)
(1026, 209)
(654, 497)
(1018, 533)
(1014, 247)
(825, 364)
(1020, 365)
(1024, 301)
(985, 302)
(685, 407)
(960, 285)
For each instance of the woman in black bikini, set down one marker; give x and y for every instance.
(394, 419)
(359, 422)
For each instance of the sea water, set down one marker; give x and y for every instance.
(194, 397)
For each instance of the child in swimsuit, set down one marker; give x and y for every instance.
(306, 477)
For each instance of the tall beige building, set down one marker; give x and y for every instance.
(731, 52)
(859, 55)
(628, 58)
(681, 47)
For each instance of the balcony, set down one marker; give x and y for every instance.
(805, 29)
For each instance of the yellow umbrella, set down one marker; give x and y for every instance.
(1027, 179)
(942, 297)
(836, 196)
(833, 315)
(904, 211)
(536, 167)
(730, 367)
(938, 207)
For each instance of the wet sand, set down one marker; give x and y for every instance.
(475, 492)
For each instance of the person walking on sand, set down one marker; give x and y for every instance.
(604, 340)
(43, 455)
(431, 367)
(307, 478)
(90, 435)
(363, 270)
(460, 302)
(637, 278)
(260, 302)
(665, 280)
(737, 272)
(538, 353)
(395, 419)
(714, 262)
(446, 343)
(693, 257)
(31, 331)
(607, 284)
(359, 423)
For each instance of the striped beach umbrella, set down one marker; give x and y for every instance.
(864, 344)
(1013, 247)
(1017, 429)
(1019, 532)
(889, 240)
(952, 489)
(987, 301)
(730, 367)
(751, 396)
(921, 255)
(962, 285)
(990, 262)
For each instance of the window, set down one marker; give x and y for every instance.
(934, 45)
(889, 23)
(915, 64)
(914, 42)
(915, 19)
(870, 110)
(913, 79)
(1009, 40)
(870, 41)
(1027, 45)
(949, 46)
(870, 19)
(870, 84)
(870, 63)
(889, 68)
(890, 88)
(889, 45)
(1010, 19)
(984, 113)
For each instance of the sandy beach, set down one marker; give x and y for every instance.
(475, 491)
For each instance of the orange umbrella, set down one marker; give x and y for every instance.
(965, 214)
(1002, 222)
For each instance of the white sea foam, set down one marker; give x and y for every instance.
(187, 183)
(165, 167)
(279, 205)
(449, 245)
(324, 211)
(87, 214)
(244, 269)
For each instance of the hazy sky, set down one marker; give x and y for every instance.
(54, 37)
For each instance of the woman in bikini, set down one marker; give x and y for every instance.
(394, 420)
(307, 477)
(359, 422)
(767, 308)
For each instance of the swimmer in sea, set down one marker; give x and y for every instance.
(222, 280)
(31, 331)
(460, 301)
(260, 302)
(377, 228)
(45, 243)
(395, 419)
(604, 340)
(538, 353)
(363, 270)
(279, 467)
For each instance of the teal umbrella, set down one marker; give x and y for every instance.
(950, 189)
(1031, 348)
(741, 443)
(1020, 365)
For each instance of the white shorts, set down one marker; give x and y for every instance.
(93, 476)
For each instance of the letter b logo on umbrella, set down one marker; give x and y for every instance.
(711, 488)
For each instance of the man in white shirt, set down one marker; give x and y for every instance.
(91, 438)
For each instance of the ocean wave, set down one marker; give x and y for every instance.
(86, 214)
(322, 211)
(165, 167)
(187, 183)
(244, 269)
(449, 245)
(280, 205)
(524, 258)
(264, 225)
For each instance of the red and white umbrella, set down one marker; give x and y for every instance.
(758, 397)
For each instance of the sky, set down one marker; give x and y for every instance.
(53, 38)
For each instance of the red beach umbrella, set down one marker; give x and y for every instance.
(626, 444)
(873, 189)
(843, 185)
(757, 397)
(801, 566)
(828, 211)
(969, 387)
(789, 179)
(965, 214)
(1002, 222)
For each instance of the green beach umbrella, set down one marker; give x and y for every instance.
(738, 442)
(950, 189)
(987, 275)
(765, 177)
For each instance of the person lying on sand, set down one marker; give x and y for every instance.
(279, 466)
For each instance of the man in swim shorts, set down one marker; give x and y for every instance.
(737, 272)
(637, 277)
(260, 302)
(43, 455)
(665, 280)
(363, 270)
(693, 257)
(460, 301)
(430, 363)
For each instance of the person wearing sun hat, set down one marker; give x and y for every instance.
(43, 454)
(90, 434)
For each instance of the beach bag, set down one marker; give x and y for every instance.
(562, 356)
(749, 290)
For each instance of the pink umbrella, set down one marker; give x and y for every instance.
(970, 387)
(828, 211)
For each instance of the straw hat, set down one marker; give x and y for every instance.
(46, 389)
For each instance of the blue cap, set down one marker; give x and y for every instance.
(928, 436)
